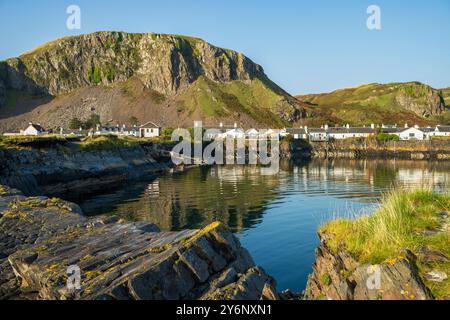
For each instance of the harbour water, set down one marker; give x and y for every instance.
(276, 217)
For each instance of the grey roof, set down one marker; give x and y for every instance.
(351, 130)
(317, 130)
(150, 124)
(38, 127)
(443, 128)
(296, 131)
(427, 129)
(392, 130)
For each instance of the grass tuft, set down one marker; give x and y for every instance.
(405, 220)
(398, 224)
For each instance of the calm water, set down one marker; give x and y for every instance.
(276, 217)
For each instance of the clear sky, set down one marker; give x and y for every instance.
(305, 47)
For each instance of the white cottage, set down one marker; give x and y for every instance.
(298, 133)
(412, 134)
(149, 130)
(33, 129)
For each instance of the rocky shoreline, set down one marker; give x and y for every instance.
(43, 237)
(339, 276)
(60, 171)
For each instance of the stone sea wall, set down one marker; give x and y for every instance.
(371, 148)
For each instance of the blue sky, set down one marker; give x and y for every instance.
(305, 47)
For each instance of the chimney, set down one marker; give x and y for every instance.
(347, 126)
(306, 129)
(326, 127)
(235, 125)
(221, 124)
(372, 125)
(406, 125)
(61, 131)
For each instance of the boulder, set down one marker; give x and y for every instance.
(48, 248)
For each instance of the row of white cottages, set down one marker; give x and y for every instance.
(148, 130)
(326, 133)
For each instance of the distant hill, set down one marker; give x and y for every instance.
(169, 79)
(411, 102)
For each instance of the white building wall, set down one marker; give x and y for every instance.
(30, 131)
(412, 134)
(149, 132)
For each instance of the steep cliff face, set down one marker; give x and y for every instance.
(142, 75)
(420, 99)
(164, 63)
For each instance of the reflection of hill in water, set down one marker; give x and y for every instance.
(240, 195)
(234, 195)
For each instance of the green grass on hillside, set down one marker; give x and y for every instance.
(446, 96)
(215, 99)
(398, 224)
(371, 103)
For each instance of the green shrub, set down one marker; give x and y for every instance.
(94, 75)
(325, 279)
(387, 137)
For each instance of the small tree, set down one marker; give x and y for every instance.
(133, 121)
(92, 121)
(76, 123)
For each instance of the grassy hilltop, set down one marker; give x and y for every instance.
(412, 103)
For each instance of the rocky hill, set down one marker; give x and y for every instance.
(412, 102)
(165, 78)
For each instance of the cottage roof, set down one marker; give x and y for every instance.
(150, 124)
(296, 131)
(338, 130)
(443, 128)
(37, 127)
(317, 130)
(392, 130)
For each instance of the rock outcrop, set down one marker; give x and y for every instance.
(47, 241)
(420, 99)
(339, 276)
